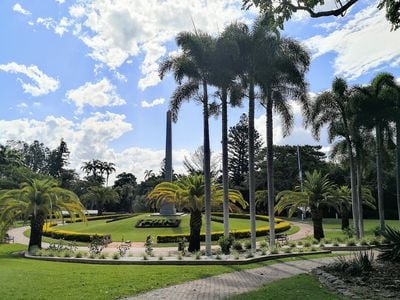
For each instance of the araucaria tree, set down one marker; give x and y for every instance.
(38, 200)
(192, 70)
(318, 192)
(188, 193)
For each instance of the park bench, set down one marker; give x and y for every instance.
(280, 237)
(8, 239)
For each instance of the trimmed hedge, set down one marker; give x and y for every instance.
(160, 223)
(122, 217)
(104, 217)
(280, 226)
(72, 235)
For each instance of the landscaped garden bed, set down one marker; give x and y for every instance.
(158, 223)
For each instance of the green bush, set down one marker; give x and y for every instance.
(237, 245)
(73, 236)
(391, 250)
(247, 245)
(158, 223)
(351, 242)
(226, 243)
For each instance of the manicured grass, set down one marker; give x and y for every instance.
(22, 278)
(301, 286)
(125, 229)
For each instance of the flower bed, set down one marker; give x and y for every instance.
(157, 223)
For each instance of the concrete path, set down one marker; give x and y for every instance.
(230, 284)
(305, 231)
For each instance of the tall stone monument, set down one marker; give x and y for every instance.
(168, 208)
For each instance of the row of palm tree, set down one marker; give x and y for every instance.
(252, 62)
(98, 168)
(351, 113)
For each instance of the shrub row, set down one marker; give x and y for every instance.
(73, 235)
(94, 218)
(245, 216)
(123, 217)
(152, 223)
(238, 234)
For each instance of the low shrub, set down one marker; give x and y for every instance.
(287, 250)
(349, 231)
(351, 242)
(247, 245)
(390, 251)
(79, 254)
(158, 223)
(375, 241)
(364, 242)
(274, 250)
(237, 245)
(103, 256)
(360, 263)
(95, 218)
(73, 236)
(292, 244)
(249, 254)
(263, 244)
(307, 244)
(226, 243)
(197, 255)
(116, 255)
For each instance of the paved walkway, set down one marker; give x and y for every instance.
(138, 248)
(227, 285)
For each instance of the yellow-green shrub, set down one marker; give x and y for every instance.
(72, 235)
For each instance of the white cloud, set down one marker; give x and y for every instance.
(155, 102)
(59, 27)
(42, 83)
(118, 30)
(19, 9)
(88, 139)
(98, 94)
(363, 44)
(60, 1)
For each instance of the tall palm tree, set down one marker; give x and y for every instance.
(109, 168)
(318, 192)
(100, 195)
(224, 75)
(373, 108)
(281, 77)
(188, 193)
(396, 119)
(37, 200)
(332, 108)
(194, 65)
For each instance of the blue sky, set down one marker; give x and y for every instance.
(86, 71)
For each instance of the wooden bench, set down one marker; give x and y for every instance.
(280, 237)
(8, 239)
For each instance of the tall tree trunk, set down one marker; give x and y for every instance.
(354, 193)
(379, 176)
(100, 209)
(225, 182)
(35, 238)
(344, 213)
(316, 216)
(251, 168)
(195, 228)
(398, 165)
(359, 194)
(270, 169)
(207, 175)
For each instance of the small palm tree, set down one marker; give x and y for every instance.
(319, 192)
(38, 200)
(100, 195)
(188, 193)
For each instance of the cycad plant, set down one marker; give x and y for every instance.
(188, 193)
(318, 192)
(391, 249)
(38, 200)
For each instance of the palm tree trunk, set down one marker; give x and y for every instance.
(379, 176)
(207, 176)
(270, 169)
(359, 194)
(35, 238)
(398, 165)
(225, 183)
(316, 216)
(251, 168)
(195, 228)
(344, 213)
(353, 184)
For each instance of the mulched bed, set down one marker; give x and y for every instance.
(382, 283)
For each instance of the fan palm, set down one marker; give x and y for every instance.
(318, 192)
(100, 196)
(332, 108)
(188, 193)
(194, 64)
(37, 200)
(372, 108)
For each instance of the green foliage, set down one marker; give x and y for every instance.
(96, 245)
(123, 249)
(149, 245)
(391, 250)
(100, 195)
(226, 243)
(349, 231)
(116, 256)
(247, 245)
(158, 222)
(360, 263)
(237, 245)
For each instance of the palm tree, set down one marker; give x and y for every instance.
(9, 156)
(37, 200)
(282, 76)
(224, 74)
(343, 193)
(373, 108)
(100, 195)
(109, 168)
(332, 108)
(318, 192)
(396, 119)
(188, 193)
(194, 64)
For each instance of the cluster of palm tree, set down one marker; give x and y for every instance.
(359, 118)
(242, 62)
(98, 168)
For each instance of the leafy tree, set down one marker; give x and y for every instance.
(277, 12)
(34, 156)
(125, 186)
(58, 159)
(194, 64)
(38, 200)
(100, 195)
(188, 193)
(318, 192)
(238, 140)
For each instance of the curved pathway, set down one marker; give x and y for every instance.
(230, 284)
(138, 248)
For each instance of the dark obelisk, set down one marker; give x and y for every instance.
(168, 208)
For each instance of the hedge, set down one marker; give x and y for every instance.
(160, 223)
(72, 235)
(105, 217)
(280, 226)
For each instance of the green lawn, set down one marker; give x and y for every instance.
(22, 278)
(125, 229)
(302, 286)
